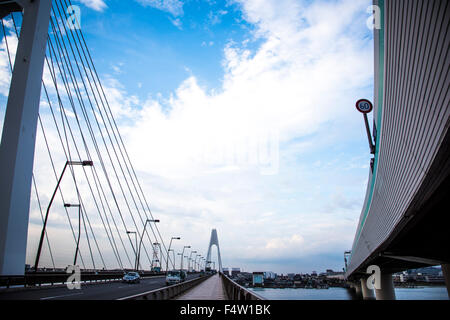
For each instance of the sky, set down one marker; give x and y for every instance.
(238, 115)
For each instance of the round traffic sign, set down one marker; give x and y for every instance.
(364, 106)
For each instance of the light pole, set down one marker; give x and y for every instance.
(135, 250)
(86, 163)
(140, 242)
(182, 255)
(68, 205)
(181, 262)
(190, 259)
(195, 260)
(155, 258)
(167, 258)
(168, 252)
(346, 254)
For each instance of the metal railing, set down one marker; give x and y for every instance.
(169, 292)
(237, 292)
(52, 278)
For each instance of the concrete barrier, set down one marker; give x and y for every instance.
(236, 292)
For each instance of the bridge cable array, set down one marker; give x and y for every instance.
(78, 104)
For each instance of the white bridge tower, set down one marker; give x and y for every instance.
(214, 241)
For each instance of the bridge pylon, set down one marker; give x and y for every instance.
(19, 132)
(214, 241)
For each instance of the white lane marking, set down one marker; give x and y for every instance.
(64, 295)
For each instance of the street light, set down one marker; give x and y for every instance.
(167, 259)
(86, 163)
(140, 242)
(182, 254)
(346, 254)
(195, 260)
(155, 255)
(168, 252)
(135, 250)
(68, 205)
(190, 259)
(185, 257)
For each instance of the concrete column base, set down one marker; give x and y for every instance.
(446, 273)
(367, 293)
(358, 290)
(386, 292)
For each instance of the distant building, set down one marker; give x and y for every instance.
(258, 279)
(235, 271)
(269, 275)
(226, 271)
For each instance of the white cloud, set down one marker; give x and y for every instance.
(97, 5)
(189, 147)
(5, 66)
(314, 61)
(175, 7)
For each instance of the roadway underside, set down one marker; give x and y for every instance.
(94, 291)
(422, 237)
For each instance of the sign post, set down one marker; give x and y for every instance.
(365, 106)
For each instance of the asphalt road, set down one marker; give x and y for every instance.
(99, 291)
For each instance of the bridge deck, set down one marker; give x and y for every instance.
(210, 289)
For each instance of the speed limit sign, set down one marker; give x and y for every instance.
(364, 106)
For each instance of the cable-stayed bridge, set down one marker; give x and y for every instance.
(58, 109)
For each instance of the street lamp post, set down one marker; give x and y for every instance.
(86, 163)
(67, 205)
(168, 252)
(155, 258)
(167, 258)
(182, 255)
(195, 260)
(140, 242)
(135, 250)
(181, 262)
(190, 259)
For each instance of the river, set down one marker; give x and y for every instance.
(419, 293)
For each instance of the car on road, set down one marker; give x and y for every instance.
(131, 277)
(175, 276)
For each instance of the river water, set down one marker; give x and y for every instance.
(420, 293)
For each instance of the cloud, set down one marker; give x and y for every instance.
(5, 66)
(175, 7)
(299, 82)
(97, 5)
(199, 151)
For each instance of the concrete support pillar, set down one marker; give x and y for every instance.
(446, 273)
(19, 136)
(386, 291)
(367, 293)
(358, 290)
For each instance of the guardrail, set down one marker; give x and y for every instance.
(51, 278)
(237, 292)
(169, 292)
